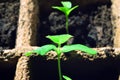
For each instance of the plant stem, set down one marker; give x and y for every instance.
(59, 68)
(59, 65)
(67, 24)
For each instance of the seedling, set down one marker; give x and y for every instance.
(59, 40)
(66, 8)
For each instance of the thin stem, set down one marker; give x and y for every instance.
(59, 65)
(59, 68)
(67, 24)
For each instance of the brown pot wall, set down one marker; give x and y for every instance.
(116, 21)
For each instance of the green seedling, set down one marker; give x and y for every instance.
(59, 40)
(66, 8)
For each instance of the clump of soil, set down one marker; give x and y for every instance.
(8, 23)
(91, 26)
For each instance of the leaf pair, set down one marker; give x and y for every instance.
(67, 48)
(66, 7)
(60, 39)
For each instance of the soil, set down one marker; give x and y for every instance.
(90, 25)
(8, 23)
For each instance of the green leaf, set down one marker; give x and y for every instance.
(66, 77)
(66, 8)
(44, 49)
(80, 47)
(71, 9)
(41, 50)
(62, 9)
(28, 53)
(59, 39)
(66, 4)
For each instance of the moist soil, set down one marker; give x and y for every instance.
(8, 23)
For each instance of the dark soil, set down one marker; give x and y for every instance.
(90, 26)
(8, 23)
